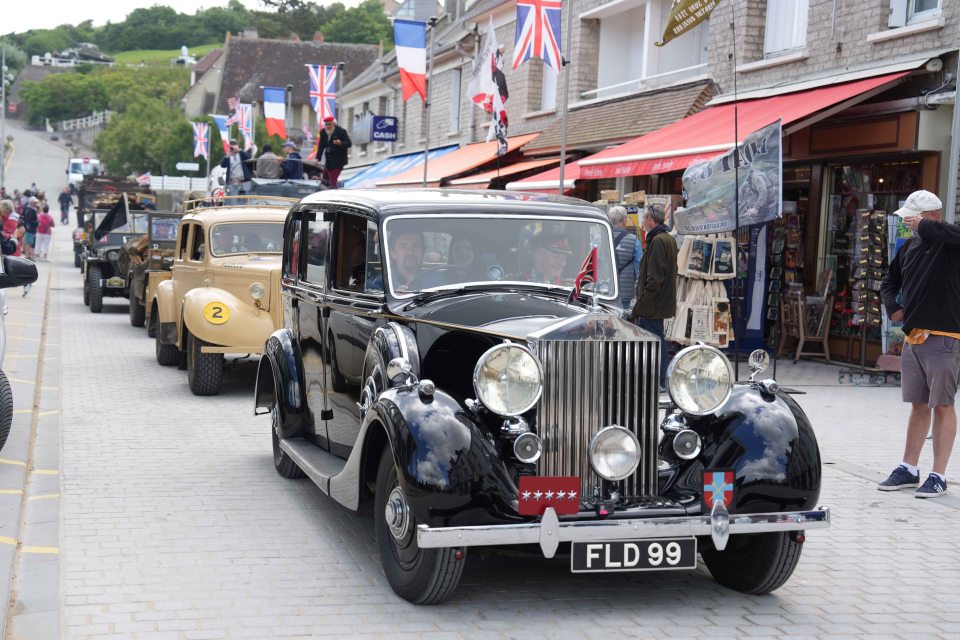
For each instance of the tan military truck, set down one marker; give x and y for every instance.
(223, 294)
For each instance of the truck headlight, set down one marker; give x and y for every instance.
(699, 379)
(614, 453)
(257, 291)
(508, 379)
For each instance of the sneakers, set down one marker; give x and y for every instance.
(26, 289)
(900, 478)
(934, 487)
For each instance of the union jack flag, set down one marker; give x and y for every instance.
(587, 275)
(538, 32)
(323, 90)
(234, 118)
(245, 123)
(201, 139)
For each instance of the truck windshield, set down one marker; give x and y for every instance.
(83, 169)
(246, 237)
(438, 252)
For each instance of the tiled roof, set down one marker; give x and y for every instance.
(595, 126)
(207, 61)
(251, 63)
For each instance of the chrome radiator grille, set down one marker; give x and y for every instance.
(591, 384)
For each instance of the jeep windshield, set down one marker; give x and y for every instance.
(432, 253)
(246, 237)
(136, 222)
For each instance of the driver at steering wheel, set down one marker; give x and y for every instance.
(406, 256)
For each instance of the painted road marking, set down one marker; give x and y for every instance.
(48, 413)
(21, 380)
(9, 461)
(53, 550)
(11, 492)
(8, 540)
(45, 472)
(44, 496)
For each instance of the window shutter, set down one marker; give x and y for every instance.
(898, 14)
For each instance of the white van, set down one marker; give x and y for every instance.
(79, 167)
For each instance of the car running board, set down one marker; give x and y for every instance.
(319, 465)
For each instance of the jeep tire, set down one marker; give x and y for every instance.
(96, 289)
(76, 259)
(204, 370)
(138, 313)
(153, 321)
(754, 563)
(422, 576)
(167, 354)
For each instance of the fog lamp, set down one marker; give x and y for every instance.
(614, 453)
(527, 447)
(686, 444)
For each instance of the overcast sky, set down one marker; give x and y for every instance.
(46, 14)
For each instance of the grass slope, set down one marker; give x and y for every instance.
(158, 57)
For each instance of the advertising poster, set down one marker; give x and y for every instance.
(709, 186)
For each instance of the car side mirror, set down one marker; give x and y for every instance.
(18, 272)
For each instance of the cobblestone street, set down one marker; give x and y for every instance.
(170, 522)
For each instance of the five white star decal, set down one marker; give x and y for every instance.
(526, 495)
(560, 495)
(572, 495)
(548, 495)
(537, 495)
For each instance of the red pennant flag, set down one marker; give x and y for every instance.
(587, 275)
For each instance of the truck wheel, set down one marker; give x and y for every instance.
(153, 322)
(138, 314)
(284, 464)
(86, 293)
(96, 290)
(754, 563)
(76, 259)
(422, 576)
(204, 370)
(167, 354)
(6, 408)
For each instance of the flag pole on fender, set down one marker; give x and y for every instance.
(587, 275)
(426, 107)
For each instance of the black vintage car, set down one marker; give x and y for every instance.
(437, 359)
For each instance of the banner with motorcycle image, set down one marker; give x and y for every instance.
(711, 193)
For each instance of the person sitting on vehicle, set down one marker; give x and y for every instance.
(252, 242)
(462, 258)
(406, 256)
(550, 253)
(237, 166)
(222, 242)
(292, 166)
(268, 164)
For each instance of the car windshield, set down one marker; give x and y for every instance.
(433, 253)
(163, 228)
(246, 237)
(83, 169)
(137, 223)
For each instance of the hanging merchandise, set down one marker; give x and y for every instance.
(703, 308)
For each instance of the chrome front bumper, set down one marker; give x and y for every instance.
(550, 531)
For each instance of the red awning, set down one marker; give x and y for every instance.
(710, 132)
(482, 180)
(548, 181)
(454, 163)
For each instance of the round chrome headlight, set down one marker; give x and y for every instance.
(257, 291)
(699, 380)
(508, 379)
(614, 453)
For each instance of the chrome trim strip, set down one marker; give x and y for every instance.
(548, 532)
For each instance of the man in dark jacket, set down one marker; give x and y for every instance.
(656, 281)
(334, 140)
(925, 274)
(293, 164)
(65, 201)
(237, 164)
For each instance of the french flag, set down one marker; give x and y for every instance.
(410, 38)
(274, 112)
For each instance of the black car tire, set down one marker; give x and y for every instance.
(204, 370)
(337, 380)
(96, 289)
(167, 354)
(152, 322)
(138, 314)
(421, 576)
(284, 464)
(754, 563)
(86, 293)
(76, 259)
(6, 408)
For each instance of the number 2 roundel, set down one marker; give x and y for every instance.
(216, 313)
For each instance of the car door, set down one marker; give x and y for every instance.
(189, 269)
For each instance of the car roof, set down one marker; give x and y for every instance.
(214, 215)
(386, 202)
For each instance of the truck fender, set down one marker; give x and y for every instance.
(281, 382)
(769, 443)
(166, 308)
(244, 320)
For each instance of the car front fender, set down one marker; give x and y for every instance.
(769, 442)
(281, 382)
(450, 468)
(240, 324)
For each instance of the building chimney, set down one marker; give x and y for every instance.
(318, 36)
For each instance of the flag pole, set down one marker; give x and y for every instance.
(426, 107)
(566, 96)
(741, 282)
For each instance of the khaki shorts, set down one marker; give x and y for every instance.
(930, 371)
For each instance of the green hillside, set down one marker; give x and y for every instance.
(161, 57)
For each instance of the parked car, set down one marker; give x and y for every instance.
(222, 294)
(16, 272)
(103, 276)
(147, 260)
(436, 358)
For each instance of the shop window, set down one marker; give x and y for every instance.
(786, 27)
(904, 12)
(548, 88)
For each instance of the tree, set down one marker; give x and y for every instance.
(46, 40)
(16, 58)
(149, 136)
(363, 24)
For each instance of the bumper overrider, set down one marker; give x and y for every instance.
(550, 531)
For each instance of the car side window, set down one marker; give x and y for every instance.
(292, 258)
(197, 246)
(374, 280)
(351, 253)
(182, 245)
(318, 233)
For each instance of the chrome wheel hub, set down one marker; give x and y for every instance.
(398, 514)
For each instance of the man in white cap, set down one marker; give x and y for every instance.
(925, 275)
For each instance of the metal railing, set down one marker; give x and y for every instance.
(95, 119)
(638, 84)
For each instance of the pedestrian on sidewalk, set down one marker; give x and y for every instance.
(12, 233)
(45, 226)
(628, 252)
(925, 275)
(30, 219)
(656, 281)
(65, 201)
